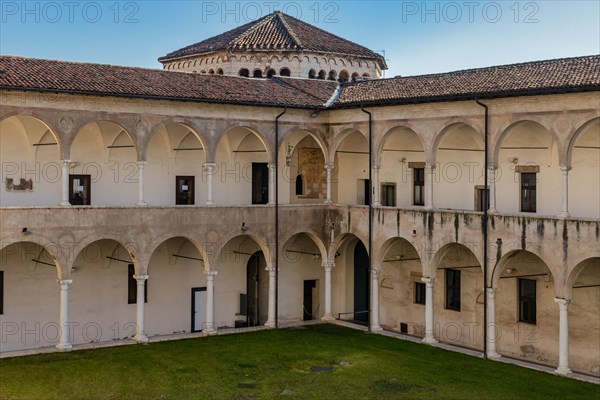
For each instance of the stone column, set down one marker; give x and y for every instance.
(429, 185)
(211, 328)
(429, 328)
(272, 299)
(376, 188)
(564, 209)
(210, 173)
(328, 265)
(141, 202)
(139, 335)
(272, 172)
(492, 187)
(563, 337)
(375, 327)
(65, 340)
(491, 323)
(65, 184)
(329, 167)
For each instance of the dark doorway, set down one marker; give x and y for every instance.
(309, 293)
(260, 183)
(361, 283)
(184, 190)
(80, 190)
(253, 286)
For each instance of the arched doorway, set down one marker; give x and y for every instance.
(362, 291)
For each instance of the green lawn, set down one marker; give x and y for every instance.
(262, 365)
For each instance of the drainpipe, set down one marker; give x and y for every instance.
(370, 209)
(485, 227)
(277, 217)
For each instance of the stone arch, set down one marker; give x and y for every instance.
(576, 135)
(55, 253)
(451, 129)
(130, 246)
(522, 257)
(166, 237)
(396, 130)
(389, 243)
(339, 139)
(258, 239)
(312, 236)
(343, 239)
(507, 130)
(590, 262)
(39, 118)
(185, 123)
(118, 124)
(252, 130)
(451, 251)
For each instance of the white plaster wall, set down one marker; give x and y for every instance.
(170, 283)
(20, 159)
(31, 299)
(584, 322)
(534, 342)
(294, 270)
(397, 297)
(164, 164)
(544, 154)
(113, 172)
(98, 295)
(233, 179)
(351, 167)
(585, 174)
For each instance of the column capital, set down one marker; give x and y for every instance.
(140, 278)
(376, 167)
(328, 264)
(65, 161)
(429, 167)
(271, 270)
(427, 280)
(64, 283)
(565, 169)
(210, 165)
(329, 165)
(491, 291)
(271, 165)
(141, 162)
(563, 303)
(210, 274)
(492, 167)
(375, 273)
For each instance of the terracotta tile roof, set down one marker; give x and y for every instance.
(538, 77)
(98, 79)
(277, 31)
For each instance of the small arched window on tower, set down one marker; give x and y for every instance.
(332, 75)
(271, 73)
(285, 72)
(312, 74)
(257, 73)
(354, 76)
(211, 71)
(299, 185)
(220, 71)
(366, 76)
(322, 74)
(244, 72)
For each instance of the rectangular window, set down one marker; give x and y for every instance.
(453, 289)
(528, 192)
(132, 287)
(527, 310)
(419, 186)
(482, 198)
(184, 190)
(419, 293)
(388, 194)
(80, 190)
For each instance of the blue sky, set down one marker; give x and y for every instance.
(418, 36)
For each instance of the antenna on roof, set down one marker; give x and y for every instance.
(386, 59)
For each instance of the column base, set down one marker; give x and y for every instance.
(377, 204)
(429, 207)
(141, 204)
(563, 371)
(328, 202)
(210, 332)
(429, 340)
(492, 211)
(271, 203)
(376, 328)
(492, 355)
(327, 318)
(210, 203)
(270, 324)
(64, 204)
(140, 338)
(564, 214)
(64, 346)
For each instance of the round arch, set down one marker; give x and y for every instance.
(389, 133)
(313, 237)
(162, 239)
(186, 124)
(577, 134)
(253, 130)
(509, 129)
(452, 253)
(451, 129)
(91, 121)
(40, 119)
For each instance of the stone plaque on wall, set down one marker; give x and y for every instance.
(311, 166)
